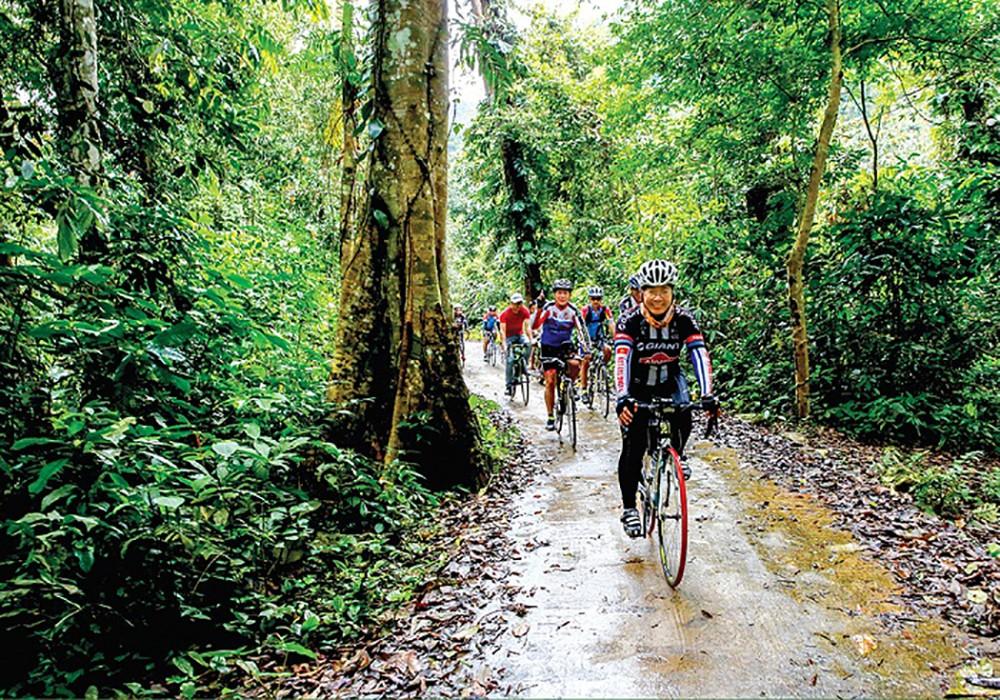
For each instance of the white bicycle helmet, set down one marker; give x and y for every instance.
(633, 281)
(595, 292)
(516, 298)
(562, 283)
(657, 273)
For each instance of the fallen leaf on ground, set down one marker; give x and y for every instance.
(864, 643)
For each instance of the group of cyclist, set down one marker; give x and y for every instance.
(647, 340)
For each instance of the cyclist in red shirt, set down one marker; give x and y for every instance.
(513, 332)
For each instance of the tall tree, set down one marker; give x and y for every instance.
(495, 31)
(76, 83)
(796, 258)
(396, 367)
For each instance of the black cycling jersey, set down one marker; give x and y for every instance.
(647, 358)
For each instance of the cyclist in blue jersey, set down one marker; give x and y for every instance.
(600, 328)
(558, 319)
(491, 319)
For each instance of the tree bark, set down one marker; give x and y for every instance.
(76, 87)
(796, 258)
(349, 149)
(397, 362)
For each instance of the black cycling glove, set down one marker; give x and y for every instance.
(623, 403)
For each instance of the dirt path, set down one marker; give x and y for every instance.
(774, 601)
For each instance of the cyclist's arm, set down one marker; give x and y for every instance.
(538, 319)
(502, 328)
(581, 328)
(624, 347)
(698, 353)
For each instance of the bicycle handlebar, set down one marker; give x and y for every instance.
(670, 406)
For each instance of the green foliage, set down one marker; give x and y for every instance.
(690, 137)
(170, 504)
(497, 441)
(957, 489)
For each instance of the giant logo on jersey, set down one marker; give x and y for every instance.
(659, 358)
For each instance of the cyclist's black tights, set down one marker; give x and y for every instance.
(634, 447)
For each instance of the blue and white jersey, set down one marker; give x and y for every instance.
(557, 323)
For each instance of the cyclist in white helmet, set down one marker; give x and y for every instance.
(648, 342)
(601, 328)
(558, 319)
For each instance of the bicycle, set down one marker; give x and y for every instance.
(521, 377)
(598, 379)
(492, 350)
(565, 402)
(663, 489)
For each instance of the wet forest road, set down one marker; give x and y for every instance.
(774, 600)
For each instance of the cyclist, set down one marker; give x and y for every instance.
(512, 332)
(648, 341)
(460, 324)
(632, 299)
(490, 322)
(600, 327)
(558, 319)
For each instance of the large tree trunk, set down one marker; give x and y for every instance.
(796, 259)
(396, 368)
(522, 211)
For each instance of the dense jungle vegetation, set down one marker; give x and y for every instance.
(201, 213)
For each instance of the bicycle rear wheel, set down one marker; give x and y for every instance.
(671, 516)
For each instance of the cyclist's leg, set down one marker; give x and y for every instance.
(584, 364)
(549, 353)
(630, 460)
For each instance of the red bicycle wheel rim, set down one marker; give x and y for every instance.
(674, 578)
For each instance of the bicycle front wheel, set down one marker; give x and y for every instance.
(671, 516)
(571, 409)
(525, 381)
(606, 389)
(560, 408)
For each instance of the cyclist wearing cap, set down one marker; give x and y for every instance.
(600, 327)
(632, 299)
(558, 319)
(512, 332)
(490, 322)
(648, 341)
